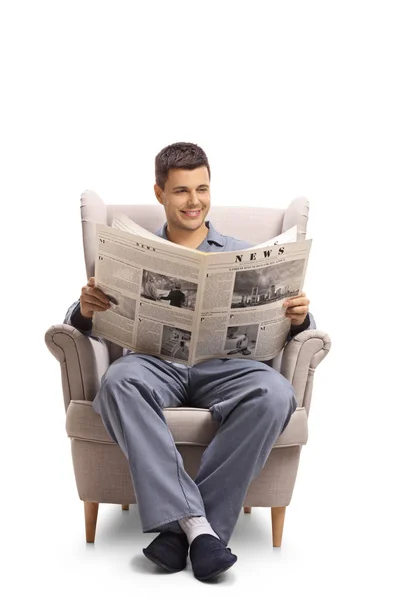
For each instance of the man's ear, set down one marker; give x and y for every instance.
(159, 193)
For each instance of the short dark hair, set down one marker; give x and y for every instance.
(181, 155)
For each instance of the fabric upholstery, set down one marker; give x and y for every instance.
(300, 359)
(102, 474)
(83, 361)
(189, 426)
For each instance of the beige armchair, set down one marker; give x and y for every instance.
(101, 469)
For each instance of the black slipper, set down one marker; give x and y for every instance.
(210, 557)
(168, 550)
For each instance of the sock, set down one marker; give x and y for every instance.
(194, 526)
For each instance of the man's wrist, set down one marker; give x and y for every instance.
(79, 321)
(296, 329)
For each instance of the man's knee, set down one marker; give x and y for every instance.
(121, 381)
(283, 392)
(283, 401)
(277, 398)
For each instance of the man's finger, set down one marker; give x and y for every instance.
(297, 302)
(91, 299)
(93, 305)
(94, 291)
(94, 299)
(91, 282)
(296, 310)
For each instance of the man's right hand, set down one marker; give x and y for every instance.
(92, 299)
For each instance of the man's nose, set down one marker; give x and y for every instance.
(193, 198)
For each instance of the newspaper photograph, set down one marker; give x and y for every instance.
(188, 306)
(175, 342)
(179, 292)
(266, 285)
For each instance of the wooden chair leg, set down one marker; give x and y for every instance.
(125, 506)
(247, 509)
(91, 510)
(278, 520)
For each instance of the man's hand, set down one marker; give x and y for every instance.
(297, 308)
(92, 299)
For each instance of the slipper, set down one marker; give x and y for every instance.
(168, 550)
(210, 557)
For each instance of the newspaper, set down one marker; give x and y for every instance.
(187, 306)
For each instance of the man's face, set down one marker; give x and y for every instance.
(186, 198)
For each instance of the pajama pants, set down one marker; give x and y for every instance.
(251, 402)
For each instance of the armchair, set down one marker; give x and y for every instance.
(101, 469)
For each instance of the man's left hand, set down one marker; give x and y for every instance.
(297, 308)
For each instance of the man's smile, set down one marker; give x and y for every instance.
(192, 214)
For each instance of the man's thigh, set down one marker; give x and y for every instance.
(150, 374)
(218, 380)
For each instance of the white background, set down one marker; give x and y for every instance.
(287, 99)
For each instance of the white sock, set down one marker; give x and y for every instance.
(194, 526)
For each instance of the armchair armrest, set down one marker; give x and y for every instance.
(300, 358)
(83, 360)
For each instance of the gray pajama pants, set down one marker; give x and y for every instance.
(252, 403)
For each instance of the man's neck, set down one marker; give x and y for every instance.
(189, 239)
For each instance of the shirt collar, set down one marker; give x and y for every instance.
(213, 237)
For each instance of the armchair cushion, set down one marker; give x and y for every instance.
(189, 426)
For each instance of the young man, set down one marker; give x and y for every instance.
(250, 400)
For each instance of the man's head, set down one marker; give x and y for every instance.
(177, 285)
(183, 185)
